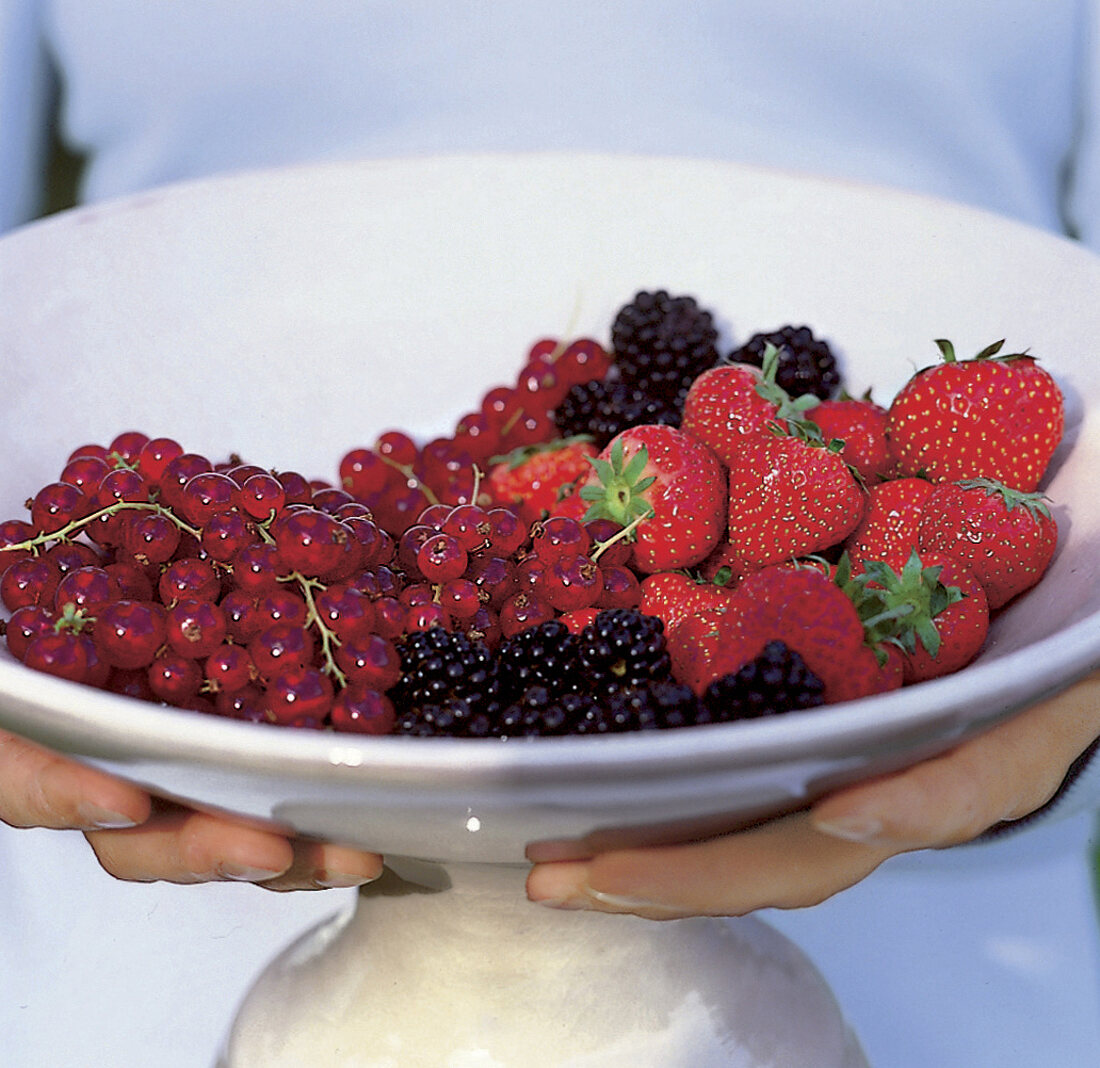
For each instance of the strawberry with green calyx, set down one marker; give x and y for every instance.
(890, 524)
(934, 610)
(791, 494)
(995, 416)
(1004, 536)
(670, 482)
(731, 403)
(533, 478)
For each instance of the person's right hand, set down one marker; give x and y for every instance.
(138, 838)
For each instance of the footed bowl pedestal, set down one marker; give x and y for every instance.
(451, 967)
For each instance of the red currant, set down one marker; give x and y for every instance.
(362, 712)
(195, 628)
(129, 633)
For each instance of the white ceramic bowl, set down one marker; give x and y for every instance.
(291, 315)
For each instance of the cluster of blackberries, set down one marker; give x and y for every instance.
(612, 676)
(660, 344)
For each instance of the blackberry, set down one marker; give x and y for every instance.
(806, 364)
(538, 713)
(777, 681)
(622, 648)
(603, 408)
(657, 705)
(437, 664)
(661, 343)
(454, 717)
(544, 656)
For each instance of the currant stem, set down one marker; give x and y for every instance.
(328, 637)
(66, 532)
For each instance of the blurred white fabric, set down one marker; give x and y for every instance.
(979, 957)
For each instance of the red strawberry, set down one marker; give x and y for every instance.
(674, 595)
(888, 529)
(724, 566)
(1005, 538)
(531, 479)
(800, 606)
(667, 483)
(694, 644)
(861, 425)
(790, 496)
(992, 416)
(728, 405)
(934, 609)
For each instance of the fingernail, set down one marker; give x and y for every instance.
(336, 880)
(96, 818)
(242, 873)
(851, 828)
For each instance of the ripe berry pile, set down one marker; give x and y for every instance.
(648, 535)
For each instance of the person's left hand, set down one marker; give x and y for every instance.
(804, 858)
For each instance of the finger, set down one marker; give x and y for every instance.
(1004, 774)
(39, 788)
(178, 845)
(323, 866)
(785, 863)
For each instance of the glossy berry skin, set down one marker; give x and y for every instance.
(257, 568)
(63, 655)
(280, 647)
(189, 579)
(298, 697)
(992, 416)
(25, 625)
(262, 495)
(86, 473)
(174, 678)
(206, 494)
(87, 588)
(362, 712)
(195, 628)
(559, 536)
(156, 454)
(129, 633)
(56, 505)
(151, 537)
(225, 534)
(788, 498)
(672, 596)
(30, 581)
(311, 541)
(676, 482)
(888, 529)
(861, 425)
(441, 558)
(530, 480)
(345, 611)
(724, 407)
(370, 662)
(229, 669)
(1006, 539)
(573, 582)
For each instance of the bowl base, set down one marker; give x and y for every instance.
(454, 967)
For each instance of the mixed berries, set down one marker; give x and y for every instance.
(644, 535)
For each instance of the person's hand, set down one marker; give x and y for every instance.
(804, 858)
(140, 839)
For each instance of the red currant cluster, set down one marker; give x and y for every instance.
(227, 588)
(397, 479)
